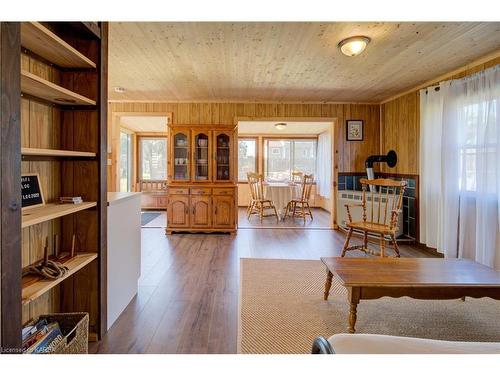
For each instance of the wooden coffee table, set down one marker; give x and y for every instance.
(422, 278)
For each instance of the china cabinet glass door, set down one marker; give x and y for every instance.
(223, 157)
(181, 157)
(201, 156)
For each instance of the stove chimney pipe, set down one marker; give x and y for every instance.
(391, 159)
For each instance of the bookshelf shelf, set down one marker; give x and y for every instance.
(34, 286)
(40, 40)
(28, 151)
(36, 86)
(32, 216)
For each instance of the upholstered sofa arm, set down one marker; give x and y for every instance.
(345, 343)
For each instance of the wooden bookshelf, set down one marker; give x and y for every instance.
(34, 286)
(41, 88)
(50, 211)
(40, 40)
(28, 151)
(50, 123)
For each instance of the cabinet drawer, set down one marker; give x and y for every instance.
(201, 191)
(176, 190)
(223, 191)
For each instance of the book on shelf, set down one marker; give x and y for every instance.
(74, 200)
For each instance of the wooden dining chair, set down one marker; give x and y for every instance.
(297, 176)
(380, 211)
(250, 177)
(259, 202)
(302, 201)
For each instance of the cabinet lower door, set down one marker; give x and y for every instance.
(178, 211)
(223, 211)
(200, 211)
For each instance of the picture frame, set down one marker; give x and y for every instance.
(30, 184)
(354, 130)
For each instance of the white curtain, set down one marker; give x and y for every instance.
(460, 167)
(324, 164)
(431, 210)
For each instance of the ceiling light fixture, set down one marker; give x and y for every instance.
(353, 46)
(119, 90)
(280, 126)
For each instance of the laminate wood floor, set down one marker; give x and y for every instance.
(188, 290)
(321, 220)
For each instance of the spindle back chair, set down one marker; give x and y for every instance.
(303, 200)
(259, 203)
(380, 211)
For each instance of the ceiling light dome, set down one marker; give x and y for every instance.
(280, 126)
(354, 45)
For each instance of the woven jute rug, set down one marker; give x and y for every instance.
(281, 310)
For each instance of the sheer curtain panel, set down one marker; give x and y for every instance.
(324, 164)
(460, 168)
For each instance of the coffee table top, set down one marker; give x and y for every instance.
(414, 272)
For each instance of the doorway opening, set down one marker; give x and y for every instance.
(282, 151)
(142, 163)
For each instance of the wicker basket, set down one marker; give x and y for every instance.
(75, 328)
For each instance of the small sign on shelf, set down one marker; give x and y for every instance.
(31, 191)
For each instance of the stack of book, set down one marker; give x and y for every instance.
(41, 337)
(74, 200)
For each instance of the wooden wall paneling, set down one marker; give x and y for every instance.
(227, 113)
(194, 113)
(182, 115)
(350, 157)
(10, 175)
(205, 110)
(400, 132)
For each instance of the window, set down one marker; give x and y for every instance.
(286, 155)
(247, 160)
(153, 158)
(125, 162)
(471, 150)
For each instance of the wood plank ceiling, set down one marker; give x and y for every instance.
(277, 61)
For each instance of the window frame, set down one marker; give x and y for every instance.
(247, 138)
(130, 159)
(139, 155)
(292, 155)
(462, 151)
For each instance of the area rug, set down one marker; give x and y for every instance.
(146, 217)
(281, 310)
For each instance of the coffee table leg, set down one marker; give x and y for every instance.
(354, 294)
(352, 317)
(328, 284)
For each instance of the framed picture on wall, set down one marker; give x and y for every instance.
(354, 130)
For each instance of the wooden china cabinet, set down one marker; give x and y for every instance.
(202, 190)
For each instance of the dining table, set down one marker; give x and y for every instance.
(280, 193)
